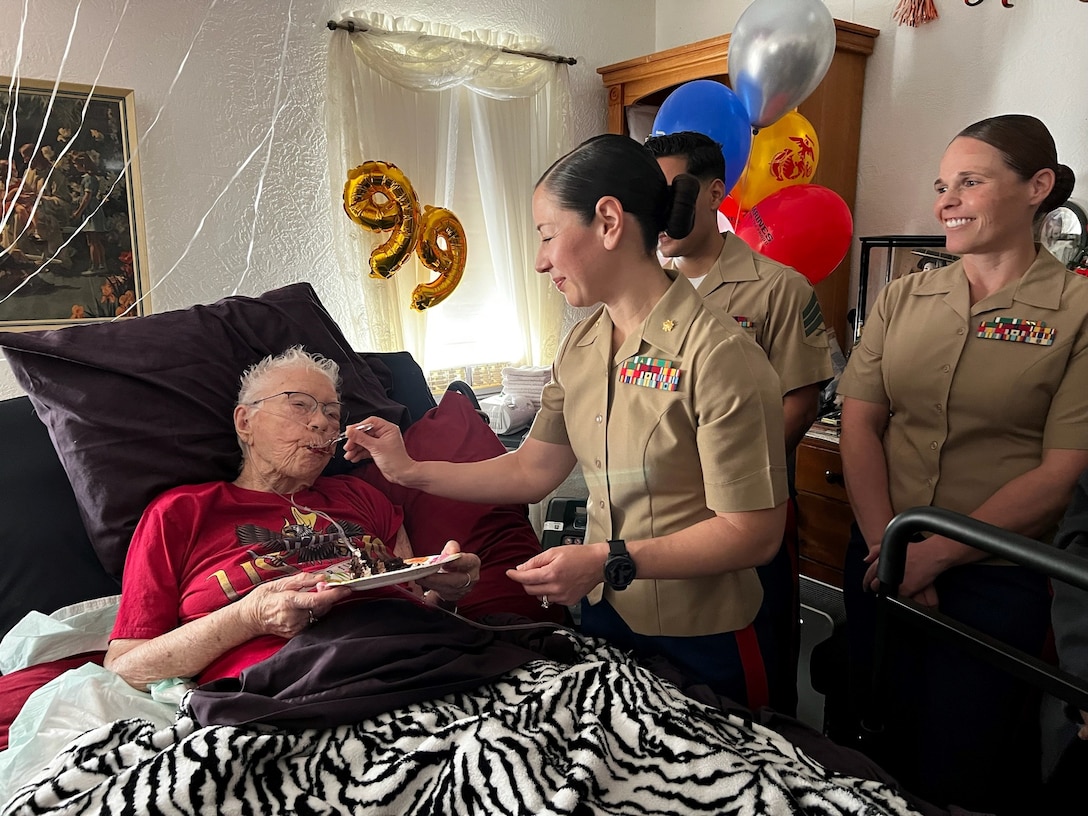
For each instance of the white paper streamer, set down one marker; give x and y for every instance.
(265, 143)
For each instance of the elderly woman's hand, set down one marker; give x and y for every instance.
(286, 606)
(381, 441)
(455, 580)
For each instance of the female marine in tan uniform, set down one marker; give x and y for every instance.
(967, 392)
(674, 414)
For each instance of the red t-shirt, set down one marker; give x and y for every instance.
(199, 547)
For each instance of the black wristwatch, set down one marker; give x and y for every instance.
(619, 567)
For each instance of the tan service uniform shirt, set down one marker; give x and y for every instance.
(777, 306)
(970, 413)
(658, 461)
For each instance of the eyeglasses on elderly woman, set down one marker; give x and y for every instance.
(300, 406)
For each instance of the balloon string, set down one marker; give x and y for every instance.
(265, 139)
(12, 97)
(4, 217)
(278, 108)
(69, 143)
(204, 220)
(122, 174)
(742, 186)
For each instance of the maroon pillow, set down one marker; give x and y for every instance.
(16, 687)
(141, 405)
(500, 534)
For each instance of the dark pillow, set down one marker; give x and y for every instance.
(403, 379)
(141, 405)
(48, 561)
(500, 534)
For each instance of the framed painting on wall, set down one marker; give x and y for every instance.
(72, 244)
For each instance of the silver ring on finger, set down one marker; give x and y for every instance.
(468, 581)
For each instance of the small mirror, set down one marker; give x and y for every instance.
(1065, 233)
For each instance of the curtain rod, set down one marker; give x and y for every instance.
(351, 27)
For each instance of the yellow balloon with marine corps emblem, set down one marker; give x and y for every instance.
(783, 154)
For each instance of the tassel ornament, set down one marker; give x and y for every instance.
(914, 12)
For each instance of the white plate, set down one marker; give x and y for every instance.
(427, 566)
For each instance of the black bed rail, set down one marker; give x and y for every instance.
(1034, 555)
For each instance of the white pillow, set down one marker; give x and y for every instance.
(71, 630)
(507, 413)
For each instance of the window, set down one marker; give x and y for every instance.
(473, 128)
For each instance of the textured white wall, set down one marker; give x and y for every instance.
(925, 84)
(222, 105)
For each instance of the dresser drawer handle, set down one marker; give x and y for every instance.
(834, 478)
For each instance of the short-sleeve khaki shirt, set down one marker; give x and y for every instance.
(969, 413)
(777, 306)
(658, 461)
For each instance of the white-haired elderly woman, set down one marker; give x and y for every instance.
(221, 575)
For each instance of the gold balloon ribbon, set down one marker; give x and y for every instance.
(379, 197)
(440, 226)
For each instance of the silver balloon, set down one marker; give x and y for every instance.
(778, 53)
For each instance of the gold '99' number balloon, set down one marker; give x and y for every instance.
(440, 227)
(379, 197)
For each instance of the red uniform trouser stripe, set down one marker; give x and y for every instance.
(755, 673)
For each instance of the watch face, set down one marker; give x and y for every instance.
(619, 571)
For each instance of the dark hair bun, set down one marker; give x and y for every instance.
(1064, 181)
(680, 213)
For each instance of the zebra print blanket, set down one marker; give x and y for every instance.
(602, 736)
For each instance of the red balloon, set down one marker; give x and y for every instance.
(806, 226)
(730, 208)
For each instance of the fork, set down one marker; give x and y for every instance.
(367, 428)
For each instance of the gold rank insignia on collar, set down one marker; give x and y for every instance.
(668, 325)
(1016, 330)
(650, 372)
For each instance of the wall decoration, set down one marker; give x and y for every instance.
(72, 244)
(378, 196)
(915, 12)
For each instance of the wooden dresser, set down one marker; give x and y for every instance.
(823, 510)
(834, 109)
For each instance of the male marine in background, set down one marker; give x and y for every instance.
(778, 307)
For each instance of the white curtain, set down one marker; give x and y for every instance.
(472, 128)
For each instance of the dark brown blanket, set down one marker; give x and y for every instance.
(362, 660)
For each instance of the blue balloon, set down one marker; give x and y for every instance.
(711, 108)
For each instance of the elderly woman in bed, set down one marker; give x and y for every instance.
(220, 575)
